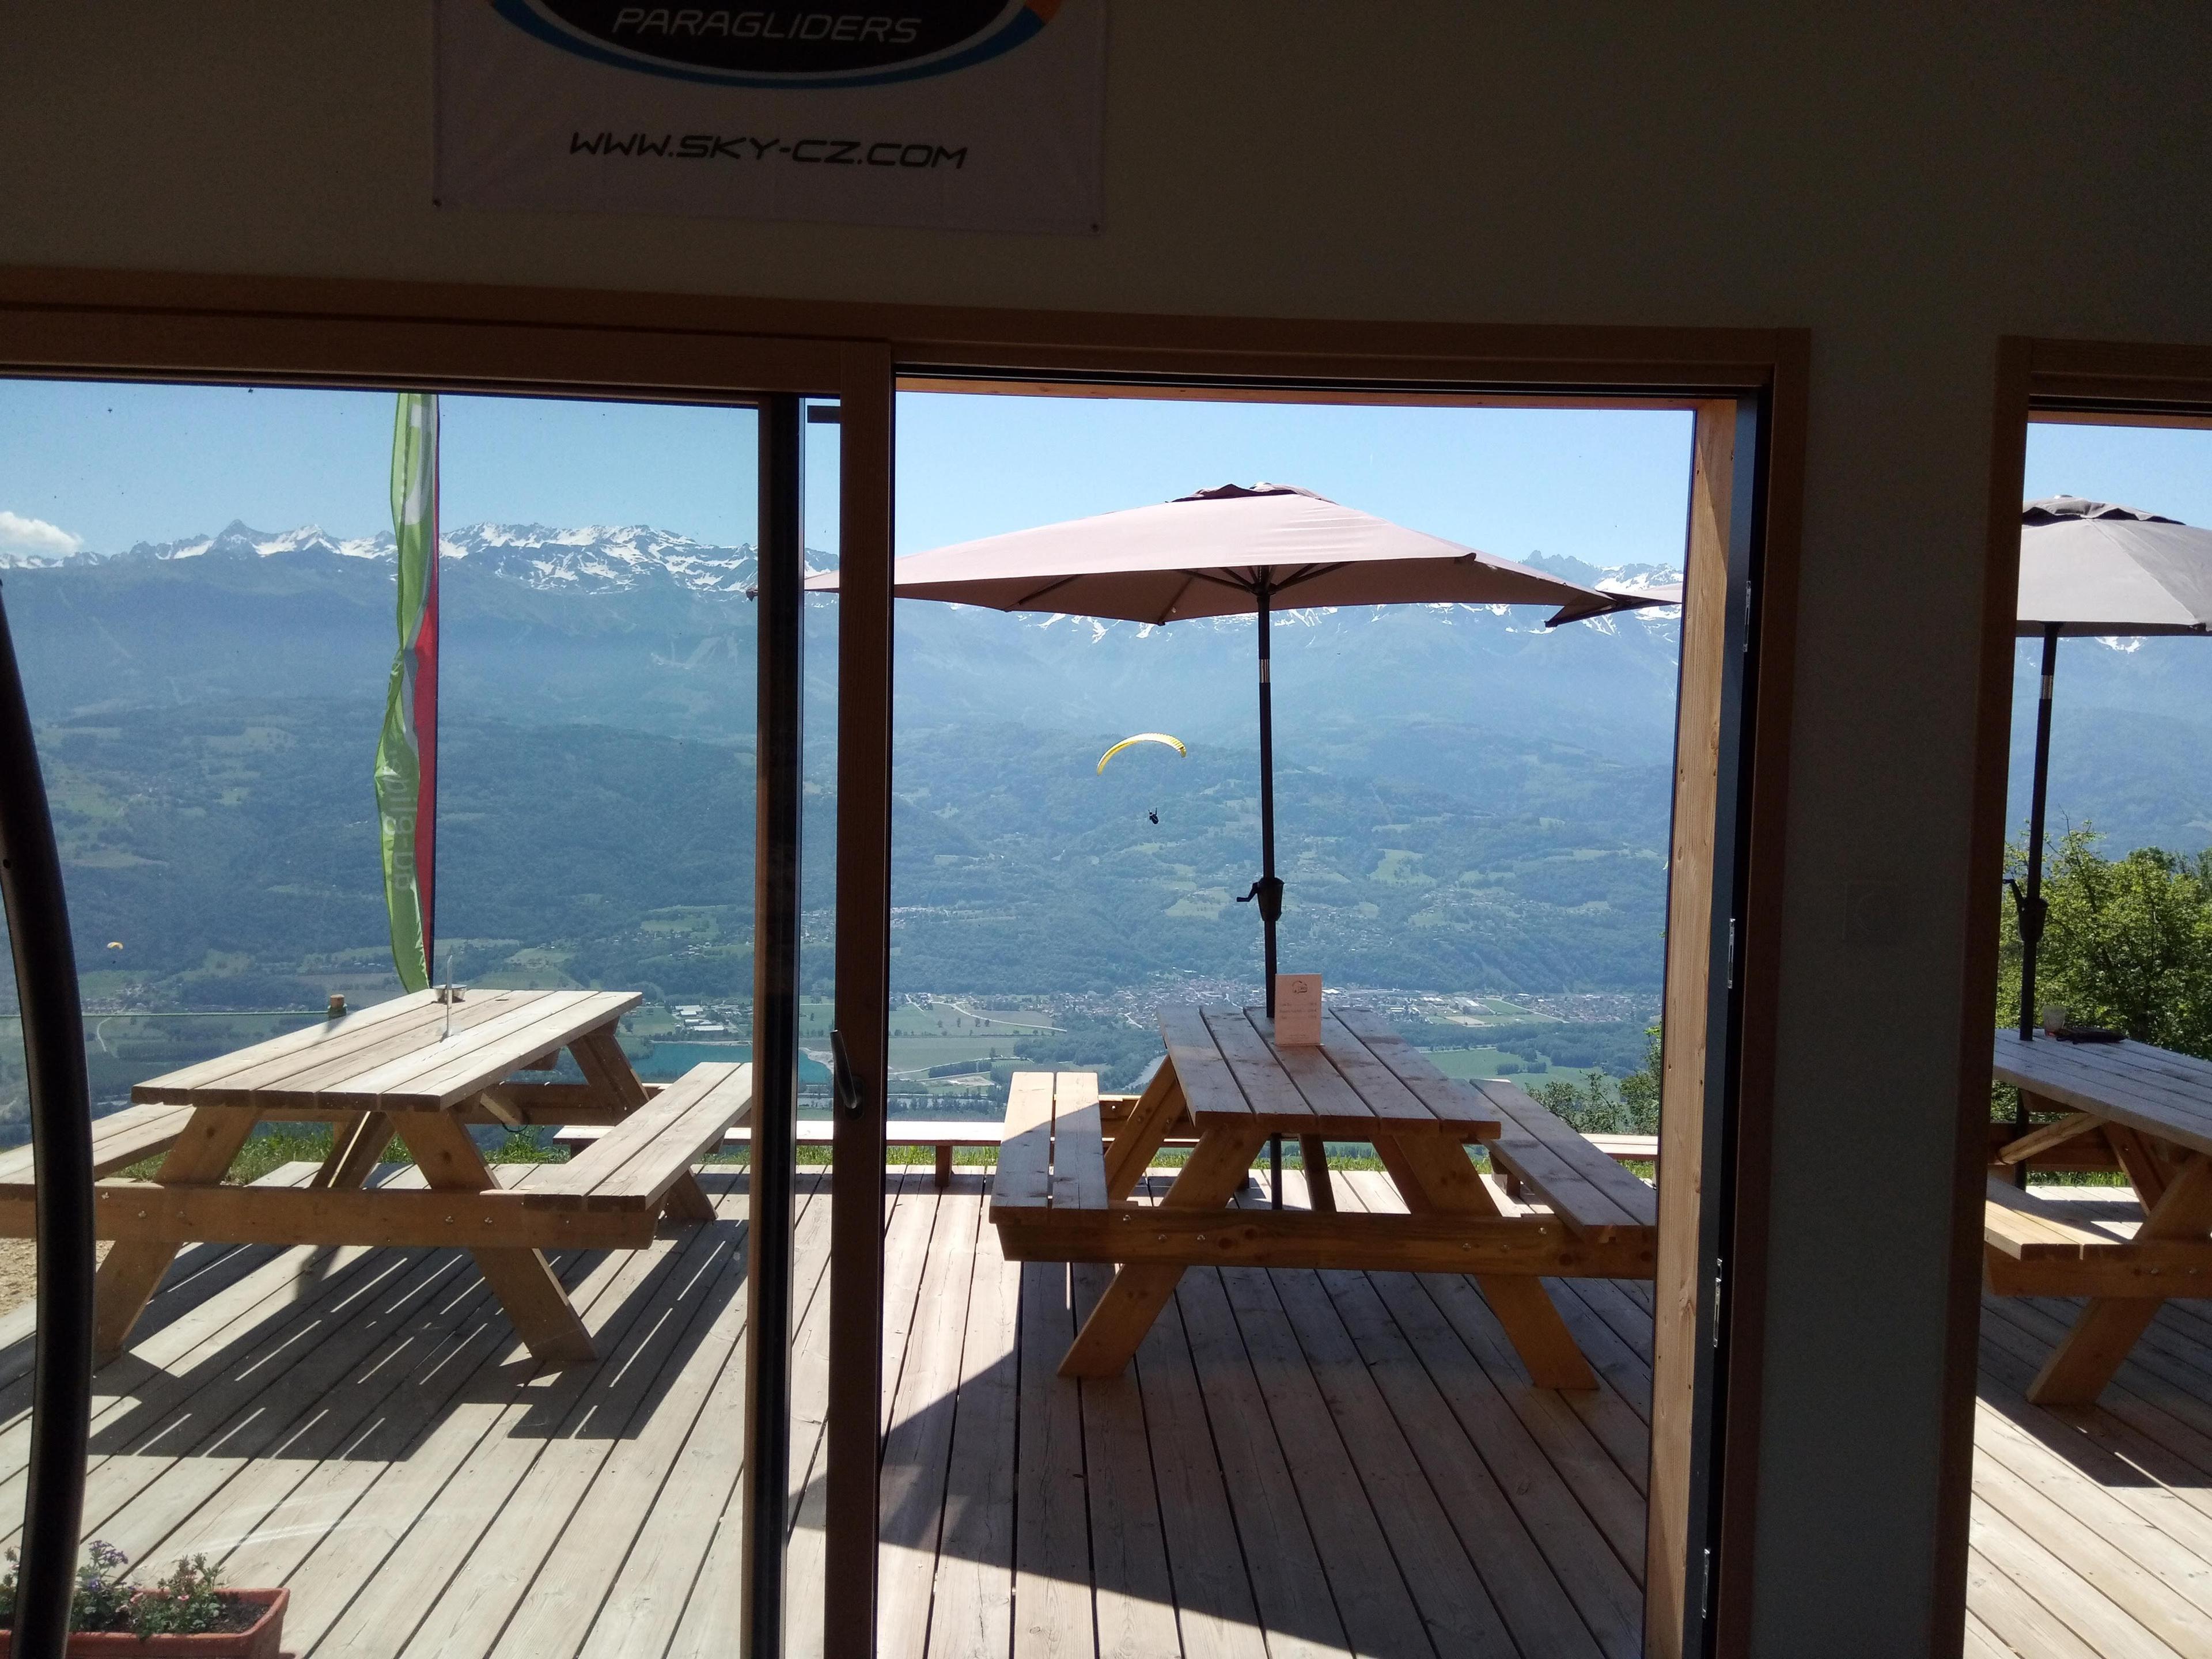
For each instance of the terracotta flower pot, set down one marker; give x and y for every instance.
(257, 1641)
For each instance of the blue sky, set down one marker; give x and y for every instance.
(107, 466)
(110, 465)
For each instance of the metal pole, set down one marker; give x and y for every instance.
(1269, 890)
(60, 1152)
(781, 635)
(2032, 910)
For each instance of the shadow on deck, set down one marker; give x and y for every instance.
(1296, 1463)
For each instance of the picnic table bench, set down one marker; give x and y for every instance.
(2150, 1112)
(943, 1136)
(1064, 1184)
(425, 1070)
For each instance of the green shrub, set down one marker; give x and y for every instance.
(190, 1602)
(2127, 942)
(1599, 1106)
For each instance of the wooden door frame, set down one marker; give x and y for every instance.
(2094, 382)
(689, 348)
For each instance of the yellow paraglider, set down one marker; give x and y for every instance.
(115, 944)
(1174, 744)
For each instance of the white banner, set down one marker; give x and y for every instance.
(963, 114)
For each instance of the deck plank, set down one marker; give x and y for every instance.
(1214, 1610)
(2132, 1566)
(2111, 1473)
(2017, 1618)
(371, 1577)
(1534, 1443)
(1052, 1521)
(671, 1426)
(917, 1451)
(1133, 1595)
(1371, 1596)
(971, 1616)
(640, 1409)
(1500, 1539)
(1456, 1605)
(1288, 1581)
(261, 1413)
(2097, 1447)
(2119, 1417)
(805, 1614)
(691, 1519)
(715, 1603)
(163, 1396)
(1302, 1465)
(2062, 1594)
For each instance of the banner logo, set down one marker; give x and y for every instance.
(825, 44)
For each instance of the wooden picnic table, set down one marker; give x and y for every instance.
(424, 1070)
(2153, 1109)
(1062, 1191)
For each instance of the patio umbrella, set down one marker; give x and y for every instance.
(1224, 552)
(2095, 568)
(2085, 568)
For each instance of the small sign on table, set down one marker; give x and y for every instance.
(1298, 1010)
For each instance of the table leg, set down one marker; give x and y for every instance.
(127, 1279)
(356, 1146)
(1435, 1176)
(1110, 1337)
(521, 1279)
(607, 1069)
(1313, 1154)
(2085, 1359)
(2146, 1172)
(1141, 1133)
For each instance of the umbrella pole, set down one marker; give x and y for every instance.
(2029, 904)
(1269, 890)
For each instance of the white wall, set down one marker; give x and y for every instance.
(1907, 181)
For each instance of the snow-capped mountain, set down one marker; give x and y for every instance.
(590, 559)
(601, 559)
(651, 630)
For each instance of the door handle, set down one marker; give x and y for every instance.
(843, 1081)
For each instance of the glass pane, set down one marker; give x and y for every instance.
(532, 1444)
(810, 1288)
(1473, 823)
(2096, 1404)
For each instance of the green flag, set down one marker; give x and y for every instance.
(407, 751)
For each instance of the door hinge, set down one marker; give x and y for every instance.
(1720, 1273)
(1706, 1587)
(1731, 954)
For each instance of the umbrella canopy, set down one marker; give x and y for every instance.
(2095, 568)
(1213, 554)
(1224, 552)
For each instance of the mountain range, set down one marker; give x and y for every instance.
(642, 628)
(1468, 800)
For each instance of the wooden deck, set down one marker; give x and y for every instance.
(1298, 1464)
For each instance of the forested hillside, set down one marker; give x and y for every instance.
(1466, 802)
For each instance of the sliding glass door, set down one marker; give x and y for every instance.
(445, 789)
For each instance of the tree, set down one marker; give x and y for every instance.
(2128, 942)
(1597, 1105)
